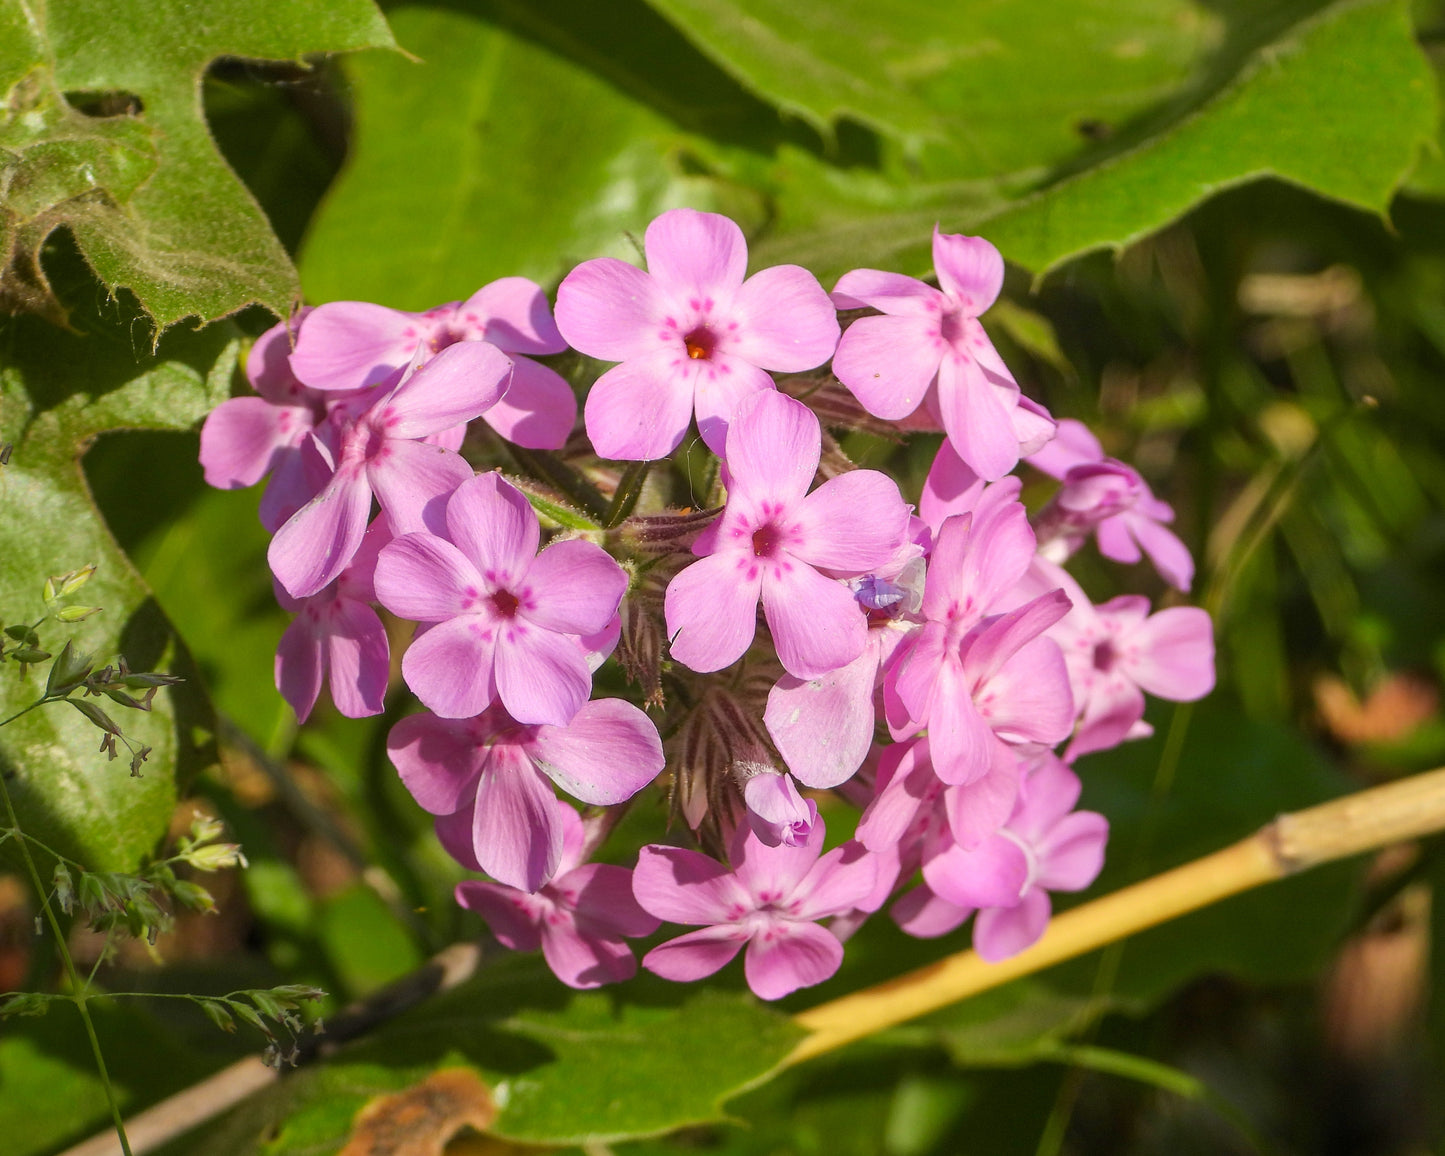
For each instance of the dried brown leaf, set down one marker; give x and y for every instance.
(422, 1119)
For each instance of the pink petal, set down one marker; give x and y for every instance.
(1170, 556)
(1029, 699)
(773, 874)
(358, 658)
(300, 666)
(608, 752)
(413, 481)
(538, 410)
(639, 410)
(454, 833)
(693, 253)
(459, 383)
(542, 677)
(816, 624)
(609, 309)
(786, 323)
(512, 915)
(1116, 542)
(682, 886)
(772, 449)
(997, 639)
(299, 475)
(268, 363)
(697, 954)
(514, 317)
(969, 270)
(575, 588)
(242, 439)
(978, 421)
(962, 742)
(351, 344)
(1002, 932)
(993, 874)
(494, 525)
(1034, 426)
(1172, 654)
(604, 902)
(905, 784)
(318, 541)
(978, 809)
(438, 760)
(721, 386)
(1072, 854)
(888, 363)
(517, 832)
(426, 579)
(923, 915)
(841, 880)
(951, 487)
(852, 523)
(890, 293)
(788, 956)
(976, 560)
(823, 727)
(358, 580)
(449, 667)
(1110, 712)
(585, 961)
(711, 611)
(1073, 445)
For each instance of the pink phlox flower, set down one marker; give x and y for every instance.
(489, 780)
(689, 334)
(351, 344)
(929, 349)
(246, 438)
(973, 677)
(771, 543)
(1108, 497)
(581, 919)
(336, 636)
(506, 622)
(911, 804)
(771, 901)
(1117, 650)
(382, 453)
(1045, 846)
(777, 813)
(823, 727)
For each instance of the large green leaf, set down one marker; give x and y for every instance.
(1340, 100)
(59, 390)
(494, 154)
(566, 1067)
(104, 134)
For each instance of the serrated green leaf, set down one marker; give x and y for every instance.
(103, 134)
(1335, 97)
(60, 390)
(565, 1066)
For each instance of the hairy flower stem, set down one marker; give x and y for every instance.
(1364, 821)
(80, 995)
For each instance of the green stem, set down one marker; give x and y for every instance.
(80, 996)
(558, 474)
(27, 710)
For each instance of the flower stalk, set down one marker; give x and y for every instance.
(1364, 821)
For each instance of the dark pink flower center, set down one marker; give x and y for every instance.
(505, 603)
(952, 326)
(767, 541)
(1105, 656)
(701, 343)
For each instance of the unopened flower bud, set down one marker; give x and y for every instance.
(76, 613)
(215, 856)
(68, 672)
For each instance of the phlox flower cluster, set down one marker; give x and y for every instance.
(805, 634)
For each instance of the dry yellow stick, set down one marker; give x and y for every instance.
(1363, 821)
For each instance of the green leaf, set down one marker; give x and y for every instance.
(1248, 102)
(104, 135)
(60, 390)
(495, 155)
(566, 1067)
